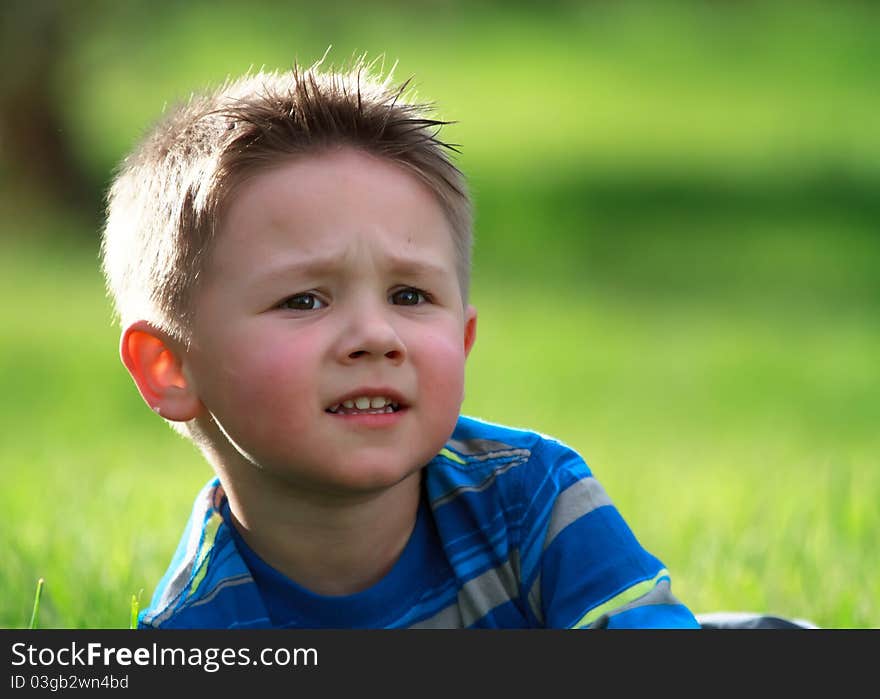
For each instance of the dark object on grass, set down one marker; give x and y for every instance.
(750, 620)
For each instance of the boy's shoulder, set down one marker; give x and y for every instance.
(475, 439)
(207, 584)
(479, 452)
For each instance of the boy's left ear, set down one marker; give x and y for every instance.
(154, 362)
(470, 328)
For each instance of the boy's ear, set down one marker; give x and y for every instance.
(470, 328)
(156, 367)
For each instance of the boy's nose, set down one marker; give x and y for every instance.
(370, 334)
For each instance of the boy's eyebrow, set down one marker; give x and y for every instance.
(328, 264)
(317, 265)
(412, 266)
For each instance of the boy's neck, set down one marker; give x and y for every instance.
(328, 546)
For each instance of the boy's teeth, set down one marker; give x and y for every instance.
(379, 404)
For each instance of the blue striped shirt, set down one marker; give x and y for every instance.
(513, 532)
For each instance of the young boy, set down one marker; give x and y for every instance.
(289, 256)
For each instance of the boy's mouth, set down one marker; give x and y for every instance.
(366, 405)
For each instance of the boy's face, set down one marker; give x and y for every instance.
(333, 278)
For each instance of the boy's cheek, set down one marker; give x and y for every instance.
(261, 413)
(260, 374)
(442, 370)
(441, 353)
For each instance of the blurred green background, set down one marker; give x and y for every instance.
(676, 265)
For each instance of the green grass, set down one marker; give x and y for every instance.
(740, 444)
(35, 614)
(675, 273)
(741, 448)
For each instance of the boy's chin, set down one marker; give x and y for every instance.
(340, 481)
(366, 479)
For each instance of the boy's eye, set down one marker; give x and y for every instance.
(302, 302)
(408, 297)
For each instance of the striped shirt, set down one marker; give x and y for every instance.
(513, 532)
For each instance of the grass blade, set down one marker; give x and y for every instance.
(36, 611)
(135, 606)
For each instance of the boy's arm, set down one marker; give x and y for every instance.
(591, 571)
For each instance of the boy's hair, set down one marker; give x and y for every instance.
(164, 203)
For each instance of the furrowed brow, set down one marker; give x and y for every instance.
(422, 268)
(311, 267)
(329, 265)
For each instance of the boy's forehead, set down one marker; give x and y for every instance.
(339, 166)
(324, 207)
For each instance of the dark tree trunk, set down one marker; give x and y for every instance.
(34, 148)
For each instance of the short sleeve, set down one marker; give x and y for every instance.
(582, 565)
